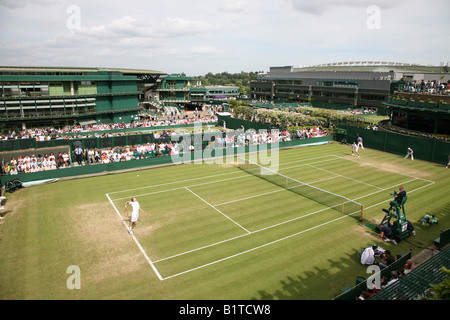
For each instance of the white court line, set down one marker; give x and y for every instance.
(367, 184)
(264, 245)
(179, 188)
(216, 209)
(199, 184)
(383, 169)
(327, 156)
(137, 242)
(210, 176)
(173, 182)
(270, 192)
(284, 222)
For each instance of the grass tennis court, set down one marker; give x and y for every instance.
(212, 231)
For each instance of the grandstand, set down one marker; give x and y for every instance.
(58, 96)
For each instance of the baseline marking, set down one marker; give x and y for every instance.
(137, 242)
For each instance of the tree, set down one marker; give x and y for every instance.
(241, 80)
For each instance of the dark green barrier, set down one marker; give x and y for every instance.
(424, 148)
(234, 123)
(147, 163)
(144, 132)
(25, 144)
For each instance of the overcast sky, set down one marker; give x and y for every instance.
(199, 36)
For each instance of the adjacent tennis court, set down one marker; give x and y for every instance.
(192, 224)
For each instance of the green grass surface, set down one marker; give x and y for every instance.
(212, 231)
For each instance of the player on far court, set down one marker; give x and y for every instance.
(410, 153)
(360, 142)
(355, 149)
(134, 214)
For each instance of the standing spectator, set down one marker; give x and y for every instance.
(410, 153)
(79, 155)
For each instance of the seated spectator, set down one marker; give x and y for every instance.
(66, 159)
(7, 168)
(386, 259)
(13, 170)
(410, 264)
(392, 279)
(406, 269)
(59, 160)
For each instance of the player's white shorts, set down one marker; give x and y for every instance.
(134, 216)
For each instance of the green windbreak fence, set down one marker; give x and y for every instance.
(153, 161)
(424, 148)
(234, 123)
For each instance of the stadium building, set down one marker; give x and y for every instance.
(181, 90)
(53, 96)
(342, 85)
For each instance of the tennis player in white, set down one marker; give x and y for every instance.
(134, 214)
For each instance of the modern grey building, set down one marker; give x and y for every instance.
(346, 84)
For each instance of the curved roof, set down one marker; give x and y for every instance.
(375, 66)
(77, 69)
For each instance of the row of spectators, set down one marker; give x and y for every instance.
(37, 163)
(429, 87)
(311, 133)
(163, 147)
(386, 281)
(43, 134)
(386, 259)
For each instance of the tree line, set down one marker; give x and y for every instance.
(241, 80)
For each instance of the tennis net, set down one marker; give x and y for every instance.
(329, 199)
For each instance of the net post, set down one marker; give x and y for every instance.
(362, 211)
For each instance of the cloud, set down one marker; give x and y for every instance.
(204, 50)
(233, 6)
(317, 7)
(133, 27)
(14, 4)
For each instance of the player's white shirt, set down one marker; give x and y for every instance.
(135, 213)
(135, 205)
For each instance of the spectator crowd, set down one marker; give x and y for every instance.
(90, 130)
(163, 145)
(429, 87)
